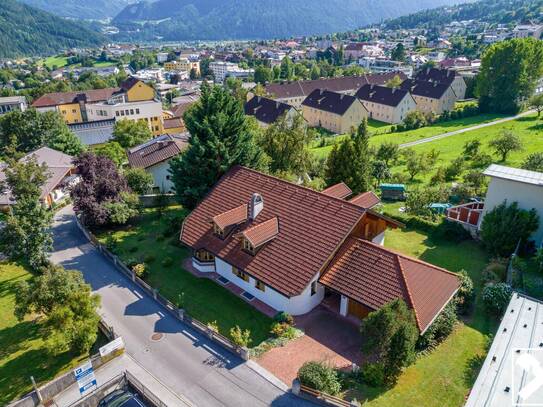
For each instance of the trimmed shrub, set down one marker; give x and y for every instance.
(284, 317)
(320, 376)
(496, 297)
(373, 374)
(465, 294)
(240, 337)
(495, 271)
(450, 231)
(278, 329)
(139, 269)
(442, 326)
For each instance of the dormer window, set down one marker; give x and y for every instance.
(218, 231)
(248, 247)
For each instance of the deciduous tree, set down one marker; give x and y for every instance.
(130, 133)
(504, 144)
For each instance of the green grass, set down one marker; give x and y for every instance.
(22, 350)
(58, 61)
(528, 128)
(104, 64)
(443, 376)
(379, 129)
(150, 240)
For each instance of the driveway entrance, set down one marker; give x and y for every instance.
(328, 337)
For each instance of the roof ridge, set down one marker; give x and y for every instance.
(409, 296)
(300, 187)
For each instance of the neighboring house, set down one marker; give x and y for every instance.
(389, 105)
(60, 171)
(94, 133)
(183, 64)
(174, 125)
(506, 185)
(267, 111)
(444, 76)
(155, 155)
(290, 247)
(503, 373)
(336, 112)
(12, 103)
(294, 93)
(354, 50)
(528, 30)
(431, 97)
(133, 100)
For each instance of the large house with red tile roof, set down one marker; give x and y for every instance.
(290, 247)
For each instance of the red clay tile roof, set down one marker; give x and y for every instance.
(63, 98)
(262, 232)
(365, 200)
(155, 151)
(372, 275)
(340, 191)
(313, 225)
(231, 217)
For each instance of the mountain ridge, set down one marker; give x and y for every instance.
(27, 31)
(247, 19)
(81, 9)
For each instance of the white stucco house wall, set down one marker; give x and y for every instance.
(515, 185)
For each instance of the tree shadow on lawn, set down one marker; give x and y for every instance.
(15, 374)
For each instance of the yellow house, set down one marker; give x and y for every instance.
(333, 111)
(133, 100)
(183, 64)
(431, 97)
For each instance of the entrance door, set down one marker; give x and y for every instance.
(358, 310)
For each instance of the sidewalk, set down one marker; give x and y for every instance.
(114, 368)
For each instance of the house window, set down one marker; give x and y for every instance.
(218, 231)
(240, 274)
(122, 112)
(204, 256)
(117, 113)
(137, 111)
(131, 111)
(260, 285)
(314, 287)
(247, 246)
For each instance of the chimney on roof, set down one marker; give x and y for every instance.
(255, 206)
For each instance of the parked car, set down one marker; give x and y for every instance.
(121, 398)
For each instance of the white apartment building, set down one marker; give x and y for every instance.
(221, 70)
(12, 103)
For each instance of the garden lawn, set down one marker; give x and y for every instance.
(444, 376)
(154, 240)
(22, 350)
(528, 128)
(378, 129)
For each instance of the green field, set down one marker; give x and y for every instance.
(528, 128)
(58, 61)
(150, 240)
(444, 376)
(22, 350)
(379, 135)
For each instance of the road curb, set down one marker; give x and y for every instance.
(255, 367)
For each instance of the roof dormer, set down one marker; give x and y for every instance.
(225, 220)
(258, 235)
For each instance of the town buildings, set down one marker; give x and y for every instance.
(133, 100)
(431, 97)
(336, 112)
(12, 103)
(386, 104)
(266, 111)
(183, 65)
(221, 70)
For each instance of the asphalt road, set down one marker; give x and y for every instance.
(184, 360)
(465, 130)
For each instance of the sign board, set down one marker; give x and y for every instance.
(111, 347)
(84, 375)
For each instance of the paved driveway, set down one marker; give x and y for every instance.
(328, 337)
(183, 360)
